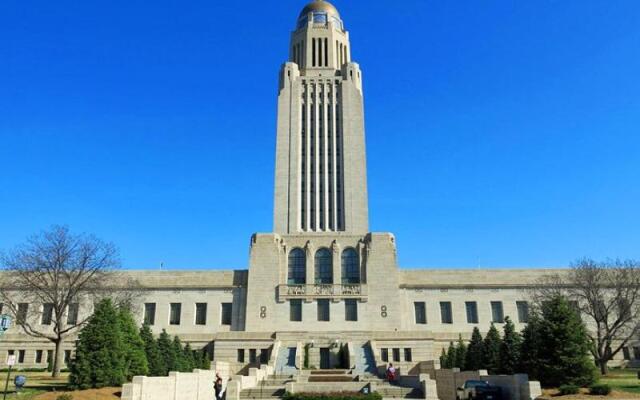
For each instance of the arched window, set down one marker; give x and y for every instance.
(350, 266)
(297, 267)
(324, 267)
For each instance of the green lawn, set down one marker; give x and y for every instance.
(624, 380)
(37, 382)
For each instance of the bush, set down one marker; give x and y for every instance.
(65, 396)
(568, 389)
(600, 389)
(332, 396)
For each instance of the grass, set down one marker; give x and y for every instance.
(623, 380)
(37, 383)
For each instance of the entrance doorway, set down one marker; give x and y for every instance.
(291, 357)
(325, 358)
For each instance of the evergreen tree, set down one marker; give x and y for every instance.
(154, 360)
(531, 345)
(475, 352)
(461, 354)
(492, 350)
(451, 356)
(198, 359)
(206, 361)
(181, 364)
(134, 347)
(510, 349)
(168, 356)
(444, 361)
(564, 356)
(189, 358)
(100, 353)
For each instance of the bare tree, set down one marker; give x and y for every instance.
(608, 295)
(50, 283)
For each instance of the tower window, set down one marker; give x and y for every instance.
(323, 310)
(350, 266)
(323, 267)
(297, 267)
(295, 310)
(420, 312)
(351, 310)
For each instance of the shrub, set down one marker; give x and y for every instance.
(65, 396)
(333, 396)
(568, 389)
(600, 389)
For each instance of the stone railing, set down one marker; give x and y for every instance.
(323, 291)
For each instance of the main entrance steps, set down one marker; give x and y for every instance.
(364, 360)
(270, 388)
(286, 361)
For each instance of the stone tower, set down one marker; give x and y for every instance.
(320, 183)
(321, 269)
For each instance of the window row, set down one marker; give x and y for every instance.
(323, 267)
(471, 308)
(39, 356)
(254, 357)
(626, 353)
(395, 354)
(175, 313)
(323, 310)
(70, 315)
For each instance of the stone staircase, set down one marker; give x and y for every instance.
(271, 388)
(364, 361)
(286, 361)
(388, 391)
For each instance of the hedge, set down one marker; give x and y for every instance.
(600, 389)
(568, 389)
(332, 396)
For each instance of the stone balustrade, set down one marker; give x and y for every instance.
(322, 291)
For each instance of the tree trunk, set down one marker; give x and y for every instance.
(57, 358)
(604, 370)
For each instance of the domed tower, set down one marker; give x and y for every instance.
(320, 162)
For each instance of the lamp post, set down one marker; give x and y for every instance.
(5, 323)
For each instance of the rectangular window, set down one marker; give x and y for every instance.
(497, 313)
(225, 313)
(201, 313)
(240, 355)
(445, 312)
(523, 311)
(72, 313)
(47, 314)
(38, 356)
(407, 354)
(264, 356)
(175, 313)
(351, 310)
(626, 354)
(472, 312)
(323, 310)
(636, 353)
(384, 355)
(396, 355)
(252, 356)
(21, 356)
(295, 310)
(150, 313)
(49, 356)
(420, 312)
(67, 356)
(23, 309)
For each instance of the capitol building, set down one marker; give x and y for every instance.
(321, 281)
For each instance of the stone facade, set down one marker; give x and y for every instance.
(321, 284)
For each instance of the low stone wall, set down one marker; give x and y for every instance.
(515, 387)
(196, 385)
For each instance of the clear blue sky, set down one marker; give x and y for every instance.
(499, 133)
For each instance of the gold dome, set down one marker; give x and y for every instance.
(319, 6)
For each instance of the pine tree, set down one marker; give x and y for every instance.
(154, 360)
(135, 357)
(168, 356)
(531, 344)
(206, 361)
(510, 349)
(564, 356)
(475, 352)
(198, 359)
(444, 361)
(451, 356)
(461, 354)
(492, 350)
(100, 353)
(181, 364)
(190, 364)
